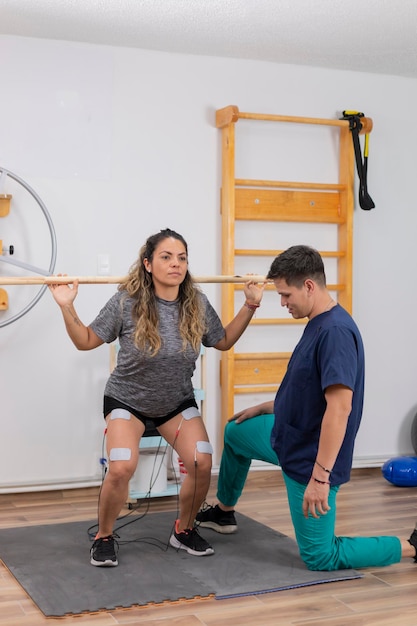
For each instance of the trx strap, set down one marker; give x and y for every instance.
(355, 126)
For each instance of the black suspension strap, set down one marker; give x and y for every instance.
(355, 126)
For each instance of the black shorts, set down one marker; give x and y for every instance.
(151, 423)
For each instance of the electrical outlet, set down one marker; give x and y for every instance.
(103, 264)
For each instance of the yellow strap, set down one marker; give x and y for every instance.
(366, 146)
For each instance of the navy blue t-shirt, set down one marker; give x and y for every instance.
(330, 352)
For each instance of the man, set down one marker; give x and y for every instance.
(310, 428)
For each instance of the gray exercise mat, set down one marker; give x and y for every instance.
(51, 563)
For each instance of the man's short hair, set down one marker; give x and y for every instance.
(296, 264)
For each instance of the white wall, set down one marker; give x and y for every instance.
(119, 143)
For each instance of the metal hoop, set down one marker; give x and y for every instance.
(52, 262)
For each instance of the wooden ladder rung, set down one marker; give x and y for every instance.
(247, 182)
(231, 114)
(265, 356)
(273, 321)
(271, 287)
(250, 252)
(257, 389)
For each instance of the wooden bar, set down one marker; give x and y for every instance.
(256, 389)
(231, 114)
(266, 356)
(292, 119)
(247, 182)
(367, 123)
(276, 321)
(251, 252)
(110, 280)
(270, 287)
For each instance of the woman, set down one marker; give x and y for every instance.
(160, 318)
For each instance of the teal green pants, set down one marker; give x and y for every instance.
(319, 548)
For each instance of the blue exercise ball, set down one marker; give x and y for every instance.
(414, 433)
(401, 471)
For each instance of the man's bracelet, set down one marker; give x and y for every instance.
(323, 468)
(321, 482)
(252, 307)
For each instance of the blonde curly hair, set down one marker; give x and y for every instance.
(139, 286)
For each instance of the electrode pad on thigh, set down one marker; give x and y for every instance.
(191, 412)
(120, 414)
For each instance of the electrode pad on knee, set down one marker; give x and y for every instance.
(204, 447)
(120, 454)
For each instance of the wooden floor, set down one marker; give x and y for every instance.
(367, 505)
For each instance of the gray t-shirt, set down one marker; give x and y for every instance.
(152, 385)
